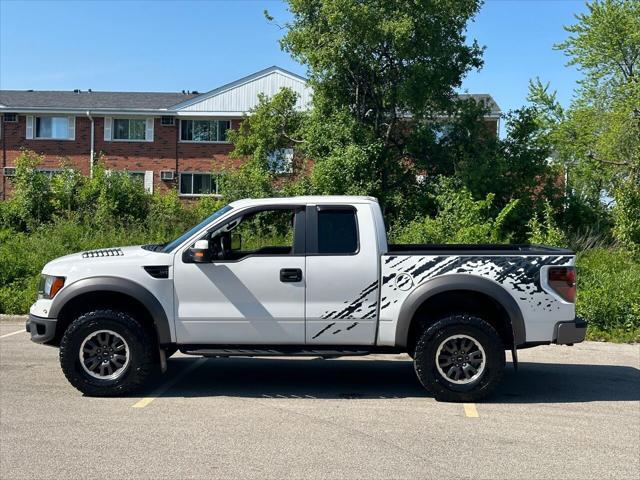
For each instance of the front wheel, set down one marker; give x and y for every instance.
(107, 353)
(460, 358)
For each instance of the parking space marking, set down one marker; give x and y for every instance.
(12, 333)
(163, 388)
(470, 410)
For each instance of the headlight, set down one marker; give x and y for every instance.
(49, 286)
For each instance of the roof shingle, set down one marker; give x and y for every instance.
(91, 100)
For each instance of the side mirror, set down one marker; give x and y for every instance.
(200, 252)
(236, 241)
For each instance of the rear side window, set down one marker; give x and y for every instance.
(337, 232)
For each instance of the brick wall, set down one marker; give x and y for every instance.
(158, 155)
(118, 155)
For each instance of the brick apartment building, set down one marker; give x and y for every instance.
(166, 139)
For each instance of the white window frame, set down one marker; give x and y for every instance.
(214, 185)
(112, 129)
(223, 142)
(71, 128)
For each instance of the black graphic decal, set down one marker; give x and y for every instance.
(522, 274)
(355, 306)
(324, 330)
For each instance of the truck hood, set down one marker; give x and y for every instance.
(133, 255)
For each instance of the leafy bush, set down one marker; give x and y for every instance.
(47, 218)
(609, 294)
(546, 232)
(459, 219)
(31, 202)
(626, 215)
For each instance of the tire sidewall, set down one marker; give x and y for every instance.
(71, 360)
(440, 386)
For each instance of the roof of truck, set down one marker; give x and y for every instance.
(309, 199)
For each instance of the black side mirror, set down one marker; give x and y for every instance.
(200, 252)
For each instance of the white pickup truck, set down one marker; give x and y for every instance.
(304, 276)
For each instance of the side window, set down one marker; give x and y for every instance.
(337, 232)
(265, 232)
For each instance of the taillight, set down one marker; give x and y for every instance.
(563, 281)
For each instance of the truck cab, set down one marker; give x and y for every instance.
(302, 276)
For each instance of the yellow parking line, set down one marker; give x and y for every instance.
(12, 333)
(470, 410)
(163, 388)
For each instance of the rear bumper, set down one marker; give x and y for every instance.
(42, 330)
(568, 333)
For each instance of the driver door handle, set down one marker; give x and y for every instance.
(291, 275)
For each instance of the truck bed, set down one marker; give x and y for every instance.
(475, 249)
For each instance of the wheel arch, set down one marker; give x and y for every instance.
(447, 286)
(105, 290)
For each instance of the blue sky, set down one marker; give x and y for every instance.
(199, 45)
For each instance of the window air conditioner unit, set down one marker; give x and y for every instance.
(167, 175)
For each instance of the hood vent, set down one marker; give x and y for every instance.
(107, 252)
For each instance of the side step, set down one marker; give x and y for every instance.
(273, 352)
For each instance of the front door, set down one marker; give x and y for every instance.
(253, 290)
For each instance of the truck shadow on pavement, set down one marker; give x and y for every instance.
(354, 379)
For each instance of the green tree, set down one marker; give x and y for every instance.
(598, 137)
(377, 68)
(273, 125)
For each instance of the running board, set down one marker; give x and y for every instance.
(283, 351)
(223, 352)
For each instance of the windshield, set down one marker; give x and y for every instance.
(218, 213)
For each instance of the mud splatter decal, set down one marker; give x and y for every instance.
(364, 306)
(324, 330)
(521, 274)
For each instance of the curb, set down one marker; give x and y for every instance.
(4, 318)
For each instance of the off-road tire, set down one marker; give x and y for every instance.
(143, 353)
(440, 386)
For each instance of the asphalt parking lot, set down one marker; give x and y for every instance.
(571, 412)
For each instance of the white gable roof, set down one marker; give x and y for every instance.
(237, 98)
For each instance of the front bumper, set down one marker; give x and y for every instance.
(42, 330)
(568, 333)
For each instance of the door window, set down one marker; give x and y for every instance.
(337, 232)
(265, 232)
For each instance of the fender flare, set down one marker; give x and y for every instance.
(447, 283)
(116, 285)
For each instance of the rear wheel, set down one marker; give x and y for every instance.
(106, 353)
(460, 358)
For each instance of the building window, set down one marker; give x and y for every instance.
(56, 128)
(129, 129)
(204, 130)
(281, 161)
(137, 176)
(198, 184)
(50, 172)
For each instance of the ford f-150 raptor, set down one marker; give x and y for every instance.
(304, 276)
